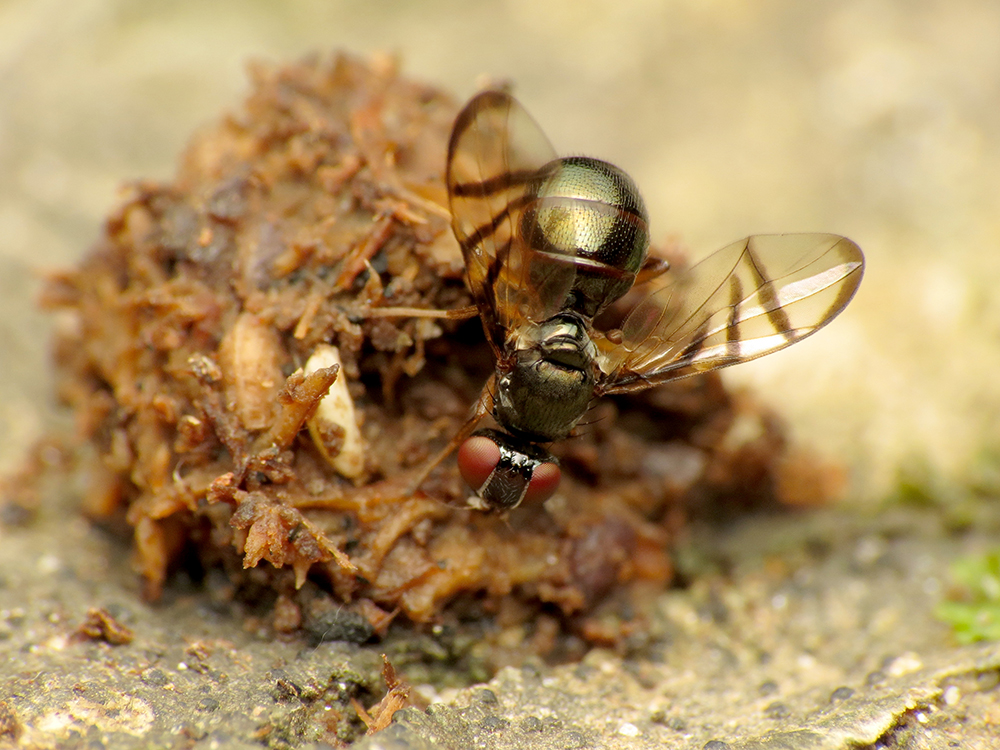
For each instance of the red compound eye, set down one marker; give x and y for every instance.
(477, 457)
(544, 482)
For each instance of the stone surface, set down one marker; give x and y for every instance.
(873, 118)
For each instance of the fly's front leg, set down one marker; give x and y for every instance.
(484, 406)
(651, 268)
(461, 313)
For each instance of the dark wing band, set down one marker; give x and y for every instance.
(496, 151)
(749, 299)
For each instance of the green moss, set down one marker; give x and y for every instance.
(974, 614)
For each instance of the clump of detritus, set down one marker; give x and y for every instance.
(238, 397)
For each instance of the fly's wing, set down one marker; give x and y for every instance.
(749, 299)
(496, 153)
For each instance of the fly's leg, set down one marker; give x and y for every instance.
(461, 313)
(484, 406)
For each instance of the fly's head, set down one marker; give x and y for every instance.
(503, 471)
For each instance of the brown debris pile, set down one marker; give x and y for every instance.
(217, 311)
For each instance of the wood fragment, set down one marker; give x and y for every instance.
(101, 625)
(397, 697)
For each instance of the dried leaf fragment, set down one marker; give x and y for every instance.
(299, 399)
(283, 536)
(379, 716)
(100, 625)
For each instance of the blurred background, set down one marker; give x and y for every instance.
(876, 119)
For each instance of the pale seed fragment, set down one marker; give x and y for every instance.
(334, 426)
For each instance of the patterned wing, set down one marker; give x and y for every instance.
(495, 154)
(749, 299)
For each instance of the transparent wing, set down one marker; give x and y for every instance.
(495, 154)
(749, 299)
